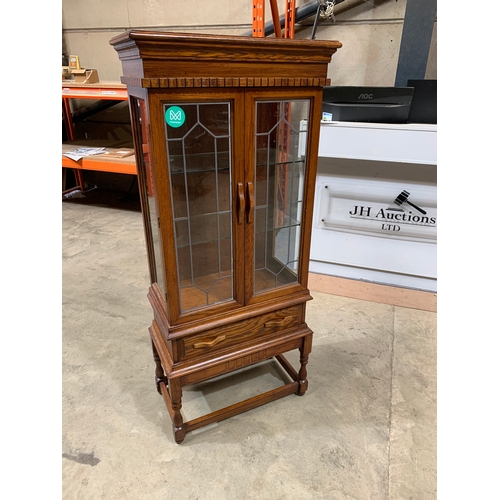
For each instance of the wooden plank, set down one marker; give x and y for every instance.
(166, 398)
(384, 294)
(119, 157)
(117, 167)
(287, 366)
(241, 407)
(113, 91)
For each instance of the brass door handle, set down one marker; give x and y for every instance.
(250, 202)
(209, 343)
(240, 203)
(279, 322)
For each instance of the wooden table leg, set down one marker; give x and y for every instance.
(159, 372)
(305, 350)
(176, 401)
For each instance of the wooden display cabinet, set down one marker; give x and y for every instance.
(226, 133)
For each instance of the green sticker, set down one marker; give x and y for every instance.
(175, 116)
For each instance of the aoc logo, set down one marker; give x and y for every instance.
(365, 96)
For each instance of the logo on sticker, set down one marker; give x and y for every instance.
(175, 116)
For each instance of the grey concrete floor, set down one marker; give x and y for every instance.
(365, 429)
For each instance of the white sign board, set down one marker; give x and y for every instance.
(380, 208)
(377, 230)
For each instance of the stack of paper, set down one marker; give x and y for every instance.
(79, 153)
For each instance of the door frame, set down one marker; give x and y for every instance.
(314, 96)
(161, 173)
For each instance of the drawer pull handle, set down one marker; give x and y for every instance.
(209, 343)
(279, 322)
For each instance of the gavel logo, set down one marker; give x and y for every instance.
(403, 198)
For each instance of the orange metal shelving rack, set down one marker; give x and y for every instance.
(258, 19)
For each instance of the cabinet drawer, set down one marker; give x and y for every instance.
(241, 331)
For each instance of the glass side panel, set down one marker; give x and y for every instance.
(145, 173)
(199, 158)
(280, 155)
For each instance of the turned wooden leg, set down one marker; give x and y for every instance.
(176, 400)
(304, 357)
(160, 374)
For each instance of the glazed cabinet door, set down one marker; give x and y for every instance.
(279, 172)
(233, 181)
(199, 170)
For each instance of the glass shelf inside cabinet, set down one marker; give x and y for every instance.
(199, 162)
(273, 157)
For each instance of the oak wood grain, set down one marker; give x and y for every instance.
(204, 324)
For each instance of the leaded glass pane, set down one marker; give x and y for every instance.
(199, 156)
(280, 155)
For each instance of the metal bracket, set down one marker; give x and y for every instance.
(325, 11)
(158, 381)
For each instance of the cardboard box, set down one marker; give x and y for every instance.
(66, 73)
(85, 75)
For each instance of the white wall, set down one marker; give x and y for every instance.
(370, 31)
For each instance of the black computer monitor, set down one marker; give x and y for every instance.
(423, 107)
(367, 104)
